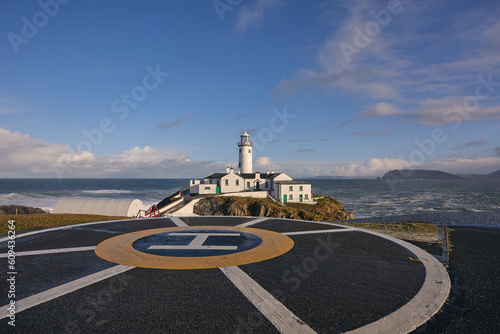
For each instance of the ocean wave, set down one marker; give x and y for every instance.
(11, 196)
(106, 191)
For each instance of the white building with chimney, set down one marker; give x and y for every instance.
(244, 182)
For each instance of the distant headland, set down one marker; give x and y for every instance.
(424, 174)
(417, 174)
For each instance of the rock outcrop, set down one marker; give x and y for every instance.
(326, 208)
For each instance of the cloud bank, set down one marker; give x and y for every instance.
(23, 156)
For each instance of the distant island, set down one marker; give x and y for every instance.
(423, 174)
(419, 174)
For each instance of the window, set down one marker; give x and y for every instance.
(290, 188)
(249, 150)
(226, 182)
(267, 184)
(248, 184)
(240, 150)
(239, 164)
(207, 188)
(306, 196)
(301, 188)
(237, 182)
(290, 198)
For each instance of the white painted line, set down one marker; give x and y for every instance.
(177, 221)
(252, 222)
(51, 251)
(321, 231)
(189, 247)
(423, 305)
(67, 227)
(281, 317)
(206, 235)
(197, 243)
(64, 289)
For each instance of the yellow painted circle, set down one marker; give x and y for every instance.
(119, 250)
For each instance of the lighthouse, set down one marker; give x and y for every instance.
(245, 154)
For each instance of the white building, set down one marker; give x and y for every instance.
(278, 185)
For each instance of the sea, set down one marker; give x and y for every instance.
(365, 198)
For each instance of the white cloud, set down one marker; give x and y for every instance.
(374, 167)
(263, 163)
(417, 83)
(450, 110)
(249, 16)
(466, 165)
(367, 168)
(23, 156)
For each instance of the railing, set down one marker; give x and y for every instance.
(149, 213)
(245, 143)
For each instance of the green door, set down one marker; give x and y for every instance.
(284, 198)
(217, 190)
(300, 198)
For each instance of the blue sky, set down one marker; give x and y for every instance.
(164, 88)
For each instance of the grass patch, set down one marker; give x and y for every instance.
(416, 231)
(302, 206)
(423, 235)
(38, 221)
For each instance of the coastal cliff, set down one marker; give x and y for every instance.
(326, 208)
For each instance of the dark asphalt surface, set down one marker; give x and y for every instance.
(333, 282)
(475, 276)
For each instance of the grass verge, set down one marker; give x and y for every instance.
(423, 235)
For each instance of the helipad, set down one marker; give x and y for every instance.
(220, 275)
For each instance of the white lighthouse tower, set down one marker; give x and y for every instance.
(245, 154)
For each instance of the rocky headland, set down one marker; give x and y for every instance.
(326, 208)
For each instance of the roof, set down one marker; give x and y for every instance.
(217, 176)
(262, 175)
(292, 182)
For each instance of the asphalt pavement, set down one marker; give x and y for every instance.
(218, 275)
